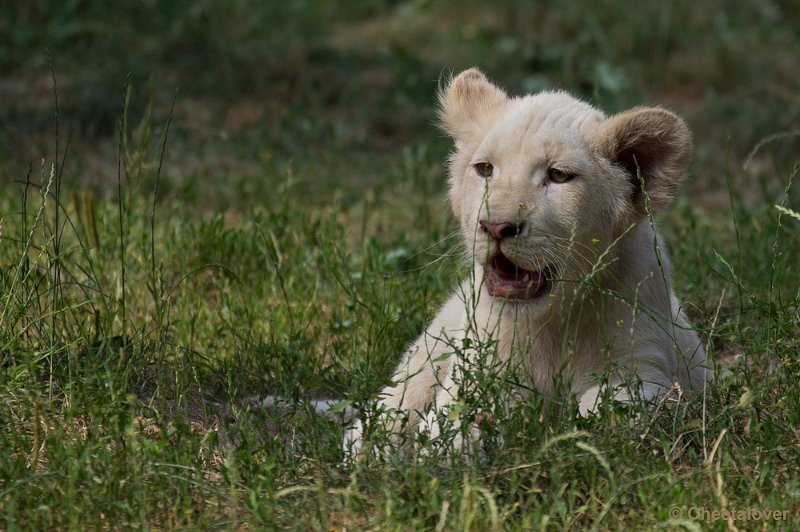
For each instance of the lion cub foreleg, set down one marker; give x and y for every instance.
(422, 383)
(418, 384)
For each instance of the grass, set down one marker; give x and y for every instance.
(283, 231)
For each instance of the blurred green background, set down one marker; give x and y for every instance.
(341, 88)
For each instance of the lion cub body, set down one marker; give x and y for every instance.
(569, 279)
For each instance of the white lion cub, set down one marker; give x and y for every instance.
(569, 279)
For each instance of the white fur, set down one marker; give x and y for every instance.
(612, 310)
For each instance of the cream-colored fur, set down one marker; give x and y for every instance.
(602, 302)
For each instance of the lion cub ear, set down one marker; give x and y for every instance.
(466, 104)
(653, 143)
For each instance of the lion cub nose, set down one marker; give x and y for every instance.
(501, 230)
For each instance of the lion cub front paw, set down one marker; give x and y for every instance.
(353, 441)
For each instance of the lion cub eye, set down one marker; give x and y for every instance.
(559, 176)
(484, 169)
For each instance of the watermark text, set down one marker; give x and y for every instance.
(703, 513)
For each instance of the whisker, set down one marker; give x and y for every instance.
(446, 237)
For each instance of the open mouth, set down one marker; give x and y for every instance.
(507, 280)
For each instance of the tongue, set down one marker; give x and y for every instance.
(507, 280)
(507, 270)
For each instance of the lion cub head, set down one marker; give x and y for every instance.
(544, 185)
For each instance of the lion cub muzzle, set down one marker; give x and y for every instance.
(504, 277)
